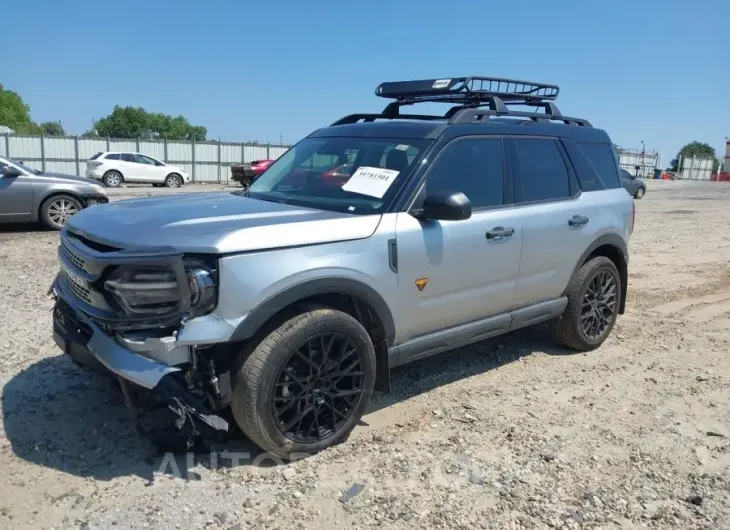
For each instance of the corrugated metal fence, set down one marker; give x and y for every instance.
(205, 161)
(694, 168)
(638, 162)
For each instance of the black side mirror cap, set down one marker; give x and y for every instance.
(444, 206)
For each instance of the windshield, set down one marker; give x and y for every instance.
(352, 175)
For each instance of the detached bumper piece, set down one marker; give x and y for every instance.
(157, 396)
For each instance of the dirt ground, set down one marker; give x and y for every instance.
(510, 433)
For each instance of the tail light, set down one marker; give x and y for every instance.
(94, 164)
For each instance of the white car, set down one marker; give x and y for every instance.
(115, 168)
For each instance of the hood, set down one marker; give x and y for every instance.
(217, 222)
(64, 177)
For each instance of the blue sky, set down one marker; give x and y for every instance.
(652, 70)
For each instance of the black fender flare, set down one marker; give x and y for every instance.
(336, 285)
(617, 242)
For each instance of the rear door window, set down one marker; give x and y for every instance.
(112, 156)
(541, 173)
(129, 157)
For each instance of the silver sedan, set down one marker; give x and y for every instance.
(30, 195)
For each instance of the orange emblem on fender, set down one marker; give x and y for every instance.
(421, 283)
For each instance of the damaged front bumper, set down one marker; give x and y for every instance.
(88, 344)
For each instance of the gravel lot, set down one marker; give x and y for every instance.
(511, 433)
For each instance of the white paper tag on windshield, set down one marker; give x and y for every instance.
(372, 181)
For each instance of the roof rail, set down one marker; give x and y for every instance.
(468, 95)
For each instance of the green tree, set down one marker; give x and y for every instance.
(52, 128)
(131, 122)
(14, 113)
(693, 149)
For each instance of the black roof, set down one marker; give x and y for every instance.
(434, 129)
(476, 101)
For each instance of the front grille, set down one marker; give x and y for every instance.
(79, 291)
(76, 260)
(119, 291)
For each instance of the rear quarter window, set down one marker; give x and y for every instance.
(112, 156)
(603, 160)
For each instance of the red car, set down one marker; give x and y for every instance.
(245, 173)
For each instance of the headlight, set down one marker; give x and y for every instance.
(203, 291)
(144, 290)
(154, 290)
(98, 189)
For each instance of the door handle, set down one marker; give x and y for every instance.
(578, 220)
(499, 232)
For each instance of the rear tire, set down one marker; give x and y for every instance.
(291, 399)
(112, 179)
(594, 296)
(56, 210)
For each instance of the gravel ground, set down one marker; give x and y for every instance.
(510, 433)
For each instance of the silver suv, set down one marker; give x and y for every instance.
(373, 242)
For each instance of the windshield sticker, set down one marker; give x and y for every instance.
(402, 147)
(372, 181)
(441, 83)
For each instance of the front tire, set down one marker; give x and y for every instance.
(56, 210)
(639, 193)
(173, 181)
(305, 385)
(594, 296)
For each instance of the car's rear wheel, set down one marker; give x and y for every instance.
(594, 296)
(639, 193)
(56, 210)
(305, 386)
(112, 179)
(173, 181)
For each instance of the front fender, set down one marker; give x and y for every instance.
(319, 286)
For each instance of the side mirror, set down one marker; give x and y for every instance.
(8, 171)
(444, 206)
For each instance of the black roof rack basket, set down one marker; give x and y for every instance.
(467, 90)
(467, 95)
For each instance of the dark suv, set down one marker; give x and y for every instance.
(381, 239)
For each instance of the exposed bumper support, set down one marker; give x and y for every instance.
(78, 336)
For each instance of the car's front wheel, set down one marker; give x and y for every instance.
(594, 296)
(639, 193)
(173, 181)
(56, 210)
(305, 386)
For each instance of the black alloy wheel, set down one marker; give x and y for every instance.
(599, 305)
(319, 388)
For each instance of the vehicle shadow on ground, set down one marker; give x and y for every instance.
(61, 416)
(448, 367)
(21, 228)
